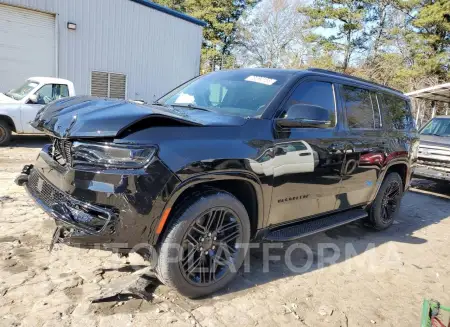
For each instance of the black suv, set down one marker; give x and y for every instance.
(229, 157)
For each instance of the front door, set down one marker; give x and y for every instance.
(46, 94)
(307, 162)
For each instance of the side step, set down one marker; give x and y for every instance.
(312, 226)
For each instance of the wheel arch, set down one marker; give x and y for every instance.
(243, 185)
(401, 167)
(9, 121)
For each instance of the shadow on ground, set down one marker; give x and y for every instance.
(29, 141)
(357, 235)
(418, 211)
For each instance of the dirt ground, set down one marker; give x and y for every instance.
(379, 278)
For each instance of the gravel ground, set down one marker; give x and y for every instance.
(381, 281)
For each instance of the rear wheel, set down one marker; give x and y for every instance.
(5, 133)
(201, 251)
(387, 203)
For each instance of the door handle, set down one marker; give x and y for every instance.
(304, 154)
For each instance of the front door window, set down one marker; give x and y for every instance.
(51, 92)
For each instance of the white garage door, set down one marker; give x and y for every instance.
(27, 45)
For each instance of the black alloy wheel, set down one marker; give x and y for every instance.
(386, 205)
(209, 246)
(201, 249)
(391, 200)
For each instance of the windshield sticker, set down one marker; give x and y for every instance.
(261, 80)
(185, 98)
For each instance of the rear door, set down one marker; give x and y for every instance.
(306, 162)
(365, 146)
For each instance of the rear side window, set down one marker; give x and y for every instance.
(396, 112)
(358, 105)
(315, 93)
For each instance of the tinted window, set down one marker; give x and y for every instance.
(396, 112)
(358, 105)
(315, 93)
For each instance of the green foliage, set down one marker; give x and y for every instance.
(343, 21)
(400, 43)
(221, 17)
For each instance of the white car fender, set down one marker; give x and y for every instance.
(12, 110)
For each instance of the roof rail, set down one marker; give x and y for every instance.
(326, 71)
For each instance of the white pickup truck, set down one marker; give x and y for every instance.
(19, 106)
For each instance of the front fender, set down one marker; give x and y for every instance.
(11, 111)
(218, 176)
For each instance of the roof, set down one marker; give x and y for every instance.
(355, 78)
(439, 93)
(329, 73)
(171, 12)
(50, 80)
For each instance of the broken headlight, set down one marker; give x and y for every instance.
(110, 155)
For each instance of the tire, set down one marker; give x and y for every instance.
(189, 230)
(387, 203)
(5, 133)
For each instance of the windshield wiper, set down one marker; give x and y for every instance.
(161, 104)
(192, 106)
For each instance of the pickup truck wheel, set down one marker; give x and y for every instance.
(5, 133)
(200, 253)
(387, 203)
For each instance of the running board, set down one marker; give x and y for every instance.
(313, 226)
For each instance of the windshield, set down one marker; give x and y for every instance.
(21, 92)
(438, 127)
(240, 93)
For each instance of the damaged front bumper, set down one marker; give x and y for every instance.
(77, 222)
(114, 210)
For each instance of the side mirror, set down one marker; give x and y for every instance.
(33, 98)
(305, 115)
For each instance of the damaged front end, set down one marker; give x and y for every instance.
(101, 193)
(74, 218)
(99, 208)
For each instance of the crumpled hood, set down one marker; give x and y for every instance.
(433, 140)
(6, 99)
(84, 116)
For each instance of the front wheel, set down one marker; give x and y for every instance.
(387, 203)
(202, 250)
(5, 133)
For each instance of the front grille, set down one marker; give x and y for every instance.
(90, 218)
(43, 190)
(437, 156)
(61, 151)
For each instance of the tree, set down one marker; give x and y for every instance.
(432, 26)
(337, 26)
(221, 17)
(270, 36)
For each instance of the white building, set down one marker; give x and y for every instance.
(130, 49)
